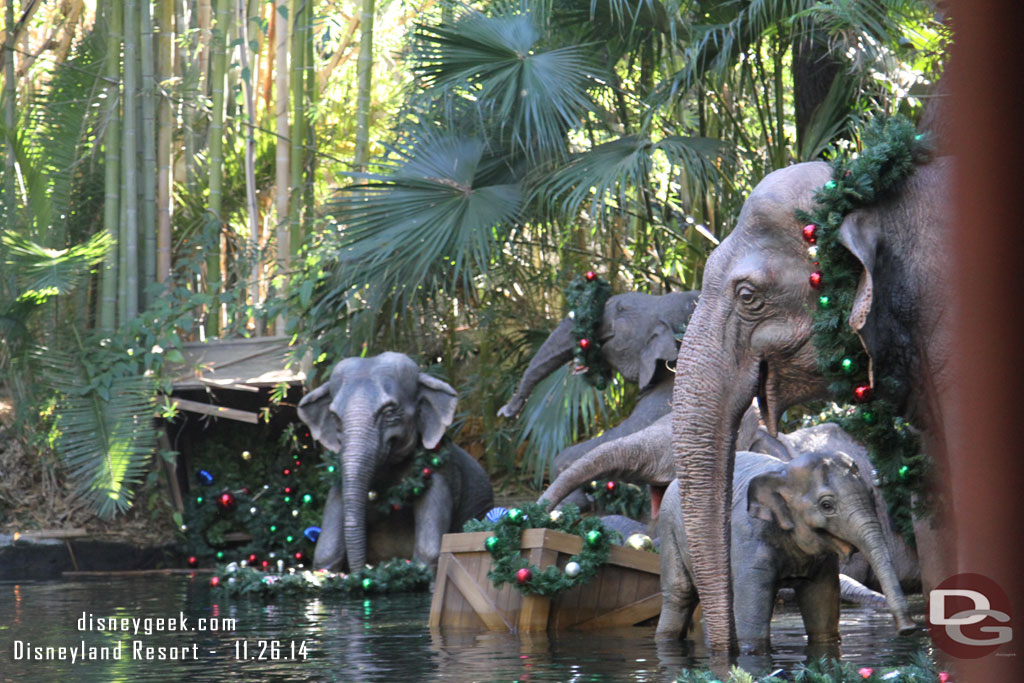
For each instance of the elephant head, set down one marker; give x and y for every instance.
(638, 333)
(820, 501)
(372, 412)
(751, 336)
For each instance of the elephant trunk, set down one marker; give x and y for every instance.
(555, 352)
(712, 391)
(358, 461)
(871, 542)
(642, 456)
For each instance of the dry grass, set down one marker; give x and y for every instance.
(34, 494)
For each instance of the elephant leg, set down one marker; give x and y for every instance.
(818, 599)
(754, 601)
(330, 546)
(678, 597)
(433, 518)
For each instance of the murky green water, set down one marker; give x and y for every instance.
(384, 639)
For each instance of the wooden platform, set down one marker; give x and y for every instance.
(626, 590)
(240, 364)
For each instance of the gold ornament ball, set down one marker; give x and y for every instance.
(555, 515)
(371, 496)
(246, 455)
(640, 541)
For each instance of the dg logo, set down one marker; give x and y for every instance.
(969, 616)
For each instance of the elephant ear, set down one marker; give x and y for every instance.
(314, 410)
(661, 346)
(435, 409)
(764, 501)
(859, 233)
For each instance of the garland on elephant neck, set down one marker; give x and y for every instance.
(892, 148)
(587, 295)
(510, 566)
(425, 463)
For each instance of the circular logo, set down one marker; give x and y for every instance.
(969, 616)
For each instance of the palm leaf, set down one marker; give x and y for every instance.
(535, 94)
(105, 428)
(46, 272)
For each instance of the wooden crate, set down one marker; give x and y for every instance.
(626, 590)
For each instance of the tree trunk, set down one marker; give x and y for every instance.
(149, 165)
(216, 153)
(112, 169)
(129, 284)
(248, 79)
(364, 69)
(165, 152)
(282, 151)
(300, 29)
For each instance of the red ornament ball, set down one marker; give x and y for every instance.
(265, 564)
(215, 581)
(298, 555)
(810, 233)
(246, 490)
(226, 501)
(862, 393)
(288, 490)
(193, 561)
(286, 471)
(396, 507)
(590, 275)
(427, 472)
(584, 344)
(815, 279)
(610, 486)
(252, 558)
(523, 576)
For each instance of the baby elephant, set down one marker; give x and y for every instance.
(799, 517)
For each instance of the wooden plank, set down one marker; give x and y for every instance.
(471, 542)
(533, 616)
(438, 601)
(635, 559)
(481, 603)
(218, 411)
(627, 615)
(138, 572)
(50, 533)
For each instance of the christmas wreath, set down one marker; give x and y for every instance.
(510, 566)
(587, 295)
(892, 149)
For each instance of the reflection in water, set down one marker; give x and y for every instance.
(383, 639)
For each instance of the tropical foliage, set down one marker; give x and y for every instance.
(421, 176)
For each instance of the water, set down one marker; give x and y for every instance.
(383, 639)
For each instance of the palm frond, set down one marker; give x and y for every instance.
(535, 94)
(105, 428)
(43, 272)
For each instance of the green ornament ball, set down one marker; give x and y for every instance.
(307, 499)
(515, 514)
(367, 584)
(273, 528)
(830, 184)
(849, 366)
(289, 538)
(435, 461)
(904, 471)
(417, 491)
(868, 417)
(594, 537)
(220, 554)
(824, 301)
(491, 543)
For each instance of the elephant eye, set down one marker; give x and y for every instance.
(749, 297)
(389, 411)
(827, 505)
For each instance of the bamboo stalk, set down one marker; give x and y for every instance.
(149, 165)
(190, 92)
(10, 198)
(112, 169)
(298, 133)
(216, 160)
(248, 79)
(204, 18)
(282, 152)
(129, 284)
(312, 95)
(364, 70)
(164, 151)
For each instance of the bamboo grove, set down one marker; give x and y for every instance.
(424, 175)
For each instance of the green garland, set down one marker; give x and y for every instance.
(424, 465)
(587, 295)
(504, 547)
(394, 576)
(621, 498)
(921, 669)
(892, 149)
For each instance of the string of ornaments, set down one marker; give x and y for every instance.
(509, 566)
(394, 576)
(587, 295)
(892, 148)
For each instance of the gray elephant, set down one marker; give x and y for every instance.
(646, 456)
(639, 337)
(374, 413)
(750, 335)
(790, 524)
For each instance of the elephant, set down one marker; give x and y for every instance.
(646, 456)
(374, 413)
(751, 336)
(790, 524)
(639, 337)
